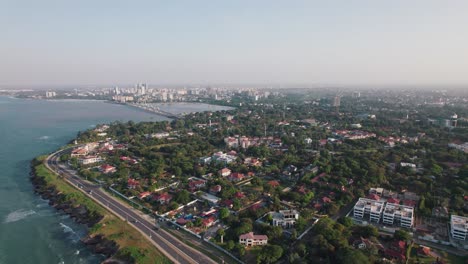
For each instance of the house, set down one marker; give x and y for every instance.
(285, 218)
(250, 239)
(144, 195)
(207, 222)
(397, 250)
(224, 172)
(274, 183)
(79, 152)
(196, 184)
(326, 200)
(215, 189)
(163, 198)
(239, 195)
(424, 251)
(236, 176)
(106, 169)
(132, 183)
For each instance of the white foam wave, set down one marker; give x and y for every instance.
(44, 138)
(18, 215)
(73, 235)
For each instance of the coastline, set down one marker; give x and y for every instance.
(107, 235)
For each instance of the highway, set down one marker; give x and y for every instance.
(173, 248)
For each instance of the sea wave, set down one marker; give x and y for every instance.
(73, 235)
(44, 138)
(18, 215)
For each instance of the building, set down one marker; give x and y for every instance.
(395, 213)
(50, 94)
(224, 172)
(89, 160)
(285, 218)
(458, 227)
(250, 239)
(368, 208)
(106, 168)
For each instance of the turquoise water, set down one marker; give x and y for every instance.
(30, 230)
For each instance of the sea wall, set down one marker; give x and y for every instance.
(64, 202)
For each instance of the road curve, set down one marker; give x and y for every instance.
(173, 248)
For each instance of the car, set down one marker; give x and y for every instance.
(90, 192)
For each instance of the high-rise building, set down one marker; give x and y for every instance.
(336, 101)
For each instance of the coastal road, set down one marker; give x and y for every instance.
(173, 248)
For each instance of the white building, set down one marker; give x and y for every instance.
(285, 218)
(368, 208)
(458, 227)
(89, 160)
(250, 239)
(395, 213)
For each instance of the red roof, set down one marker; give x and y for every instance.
(373, 196)
(144, 194)
(326, 200)
(162, 197)
(237, 176)
(251, 235)
(182, 221)
(239, 195)
(132, 182)
(208, 221)
(409, 203)
(216, 188)
(274, 183)
(393, 200)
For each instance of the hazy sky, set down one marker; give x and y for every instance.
(205, 42)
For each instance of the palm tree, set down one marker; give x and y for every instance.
(221, 233)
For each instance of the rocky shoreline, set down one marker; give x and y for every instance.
(98, 244)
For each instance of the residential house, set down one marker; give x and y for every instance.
(106, 169)
(224, 172)
(132, 183)
(285, 218)
(250, 239)
(163, 198)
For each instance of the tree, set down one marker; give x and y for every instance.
(223, 213)
(346, 221)
(351, 256)
(182, 197)
(221, 233)
(270, 254)
(401, 235)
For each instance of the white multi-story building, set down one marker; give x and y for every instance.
(89, 160)
(395, 213)
(367, 207)
(285, 218)
(458, 227)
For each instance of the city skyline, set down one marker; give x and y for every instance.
(267, 43)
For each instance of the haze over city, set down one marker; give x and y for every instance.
(293, 43)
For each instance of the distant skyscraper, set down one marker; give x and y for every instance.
(116, 90)
(336, 101)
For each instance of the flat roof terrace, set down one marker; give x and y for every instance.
(373, 205)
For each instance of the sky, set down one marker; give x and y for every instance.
(100, 42)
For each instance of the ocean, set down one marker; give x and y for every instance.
(30, 230)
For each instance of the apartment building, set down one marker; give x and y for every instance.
(458, 227)
(398, 214)
(368, 208)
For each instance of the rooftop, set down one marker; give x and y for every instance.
(373, 205)
(459, 222)
(405, 211)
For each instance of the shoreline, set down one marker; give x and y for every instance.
(106, 234)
